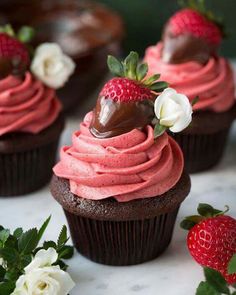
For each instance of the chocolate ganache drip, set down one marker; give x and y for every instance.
(112, 118)
(192, 34)
(125, 102)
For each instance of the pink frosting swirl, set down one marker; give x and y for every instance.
(127, 167)
(26, 105)
(212, 82)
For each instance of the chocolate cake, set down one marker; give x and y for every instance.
(26, 160)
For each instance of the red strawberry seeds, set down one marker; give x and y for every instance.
(212, 243)
(12, 49)
(125, 90)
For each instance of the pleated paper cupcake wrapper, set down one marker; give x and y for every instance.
(25, 172)
(122, 242)
(202, 151)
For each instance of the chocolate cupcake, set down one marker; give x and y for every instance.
(122, 180)
(30, 113)
(187, 57)
(86, 31)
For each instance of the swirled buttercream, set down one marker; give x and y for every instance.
(26, 105)
(127, 167)
(212, 82)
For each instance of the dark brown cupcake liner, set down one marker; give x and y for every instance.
(25, 172)
(202, 151)
(125, 233)
(122, 242)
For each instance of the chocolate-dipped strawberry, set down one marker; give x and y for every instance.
(192, 34)
(126, 101)
(14, 55)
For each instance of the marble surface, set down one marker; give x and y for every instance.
(174, 273)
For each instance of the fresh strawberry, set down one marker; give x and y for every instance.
(130, 85)
(212, 239)
(189, 21)
(125, 90)
(12, 49)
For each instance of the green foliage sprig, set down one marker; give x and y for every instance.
(17, 250)
(214, 284)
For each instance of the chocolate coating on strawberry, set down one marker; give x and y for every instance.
(191, 35)
(125, 102)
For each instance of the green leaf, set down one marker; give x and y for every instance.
(12, 275)
(18, 232)
(4, 235)
(26, 34)
(216, 280)
(159, 130)
(142, 70)
(43, 228)
(115, 66)
(49, 244)
(206, 289)
(62, 265)
(2, 273)
(152, 79)
(8, 30)
(207, 210)
(66, 252)
(159, 86)
(11, 242)
(28, 241)
(6, 288)
(195, 100)
(232, 265)
(25, 260)
(187, 224)
(62, 239)
(10, 255)
(130, 65)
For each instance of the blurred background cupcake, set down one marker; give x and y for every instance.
(86, 31)
(30, 112)
(188, 58)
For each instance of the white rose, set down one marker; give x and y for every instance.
(41, 278)
(173, 110)
(51, 65)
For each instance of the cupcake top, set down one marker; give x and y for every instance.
(187, 57)
(122, 149)
(28, 102)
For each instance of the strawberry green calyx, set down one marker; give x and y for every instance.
(205, 211)
(131, 68)
(200, 6)
(24, 35)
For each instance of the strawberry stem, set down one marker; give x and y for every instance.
(205, 211)
(131, 68)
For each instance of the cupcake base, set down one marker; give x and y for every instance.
(26, 160)
(114, 233)
(122, 242)
(204, 142)
(202, 151)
